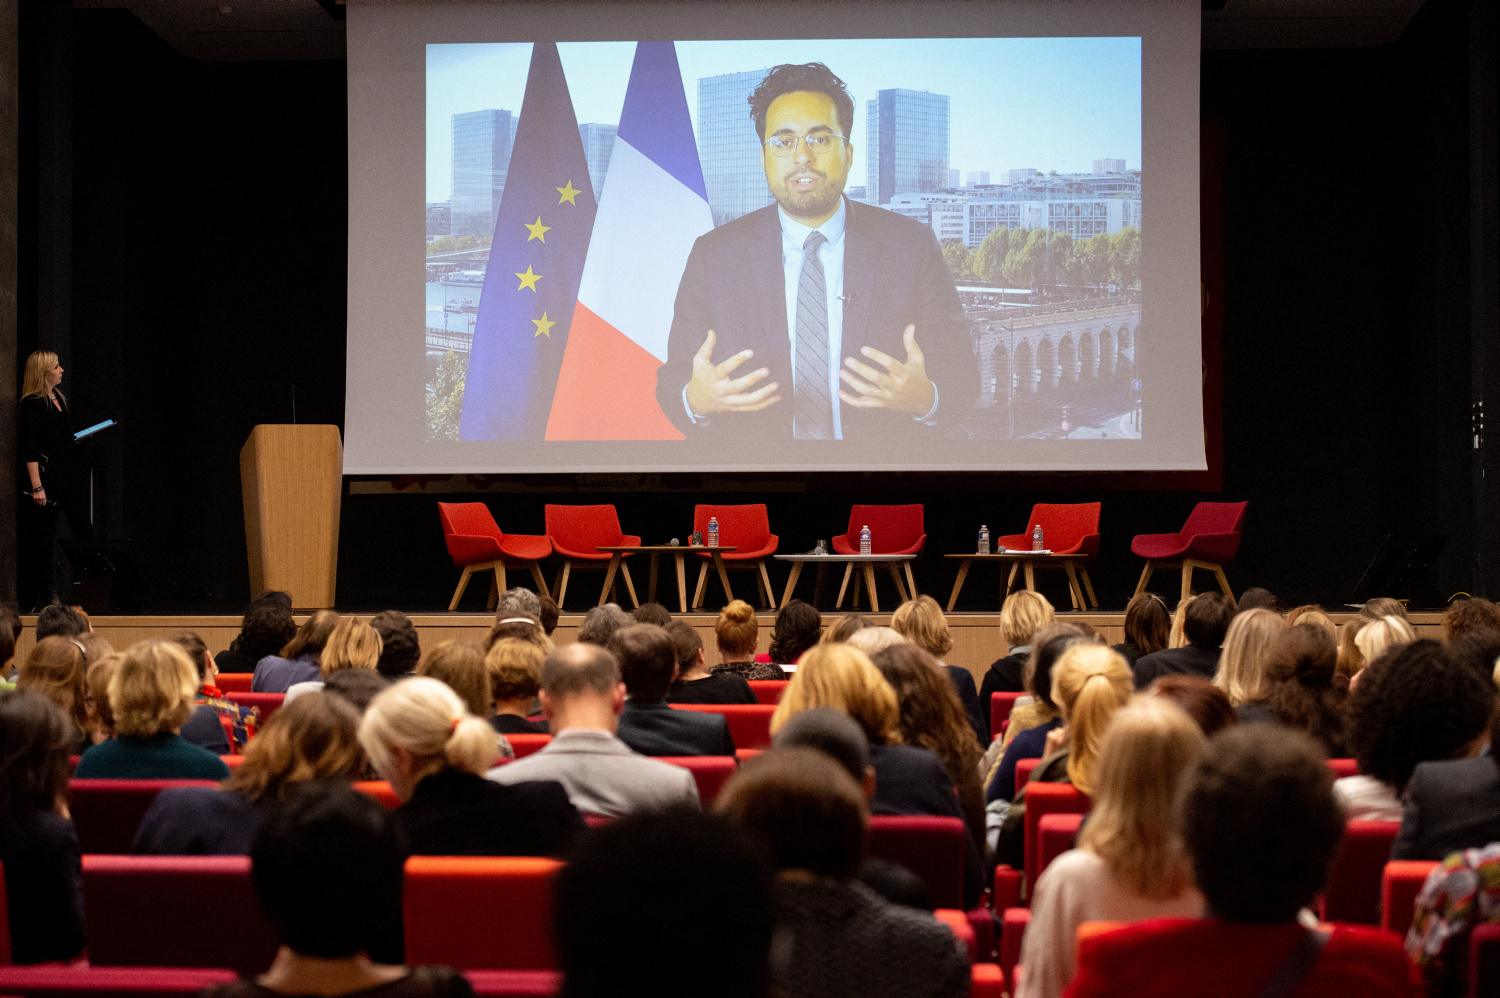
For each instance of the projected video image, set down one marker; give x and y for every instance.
(762, 243)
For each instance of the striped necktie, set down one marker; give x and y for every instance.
(813, 417)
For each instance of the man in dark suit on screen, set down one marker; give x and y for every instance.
(817, 318)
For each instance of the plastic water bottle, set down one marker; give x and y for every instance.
(713, 531)
(984, 539)
(1036, 538)
(864, 540)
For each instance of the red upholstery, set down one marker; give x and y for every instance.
(930, 847)
(1067, 528)
(1007, 890)
(1057, 832)
(57, 981)
(986, 981)
(234, 682)
(982, 921)
(174, 911)
(1352, 893)
(768, 691)
(1043, 799)
(747, 527)
(524, 745)
(1400, 883)
(480, 912)
(749, 723)
(1001, 704)
(1212, 534)
(473, 536)
(1024, 768)
(893, 530)
(269, 703)
(577, 531)
(710, 772)
(514, 983)
(744, 755)
(1342, 768)
(5, 954)
(958, 923)
(381, 791)
(1013, 924)
(1484, 961)
(106, 813)
(232, 761)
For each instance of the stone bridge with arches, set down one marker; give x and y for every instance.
(1039, 351)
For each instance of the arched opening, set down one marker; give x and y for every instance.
(1109, 359)
(1127, 349)
(1089, 348)
(989, 342)
(1025, 369)
(1067, 359)
(1046, 359)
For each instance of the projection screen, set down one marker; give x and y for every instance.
(773, 237)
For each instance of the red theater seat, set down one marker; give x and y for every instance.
(1208, 540)
(1001, 704)
(174, 911)
(1484, 961)
(477, 544)
(577, 533)
(986, 980)
(1067, 528)
(106, 813)
(514, 983)
(524, 744)
(1352, 893)
(234, 682)
(82, 981)
(1342, 768)
(768, 691)
(749, 723)
(1057, 833)
(958, 924)
(930, 847)
(748, 528)
(1013, 922)
(269, 703)
(233, 761)
(381, 791)
(1400, 883)
(710, 772)
(1024, 769)
(1043, 799)
(473, 912)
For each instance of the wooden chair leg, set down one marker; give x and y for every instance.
(911, 581)
(848, 571)
(562, 582)
(629, 585)
(1140, 586)
(1088, 586)
(859, 580)
(463, 583)
(1223, 582)
(497, 585)
(1010, 580)
(1187, 578)
(702, 585)
(896, 578)
(536, 576)
(765, 581)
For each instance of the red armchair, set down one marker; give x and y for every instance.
(577, 533)
(480, 912)
(476, 544)
(1067, 528)
(1208, 540)
(1352, 891)
(748, 528)
(893, 530)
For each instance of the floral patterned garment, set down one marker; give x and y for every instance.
(1464, 891)
(239, 722)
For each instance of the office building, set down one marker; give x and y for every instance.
(1109, 166)
(439, 219)
(482, 142)
(729, 149)
(906, 143)
(1020, 176)
(598, 142)
(953, 180)
(979, 178)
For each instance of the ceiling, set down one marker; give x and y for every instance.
(314, 29)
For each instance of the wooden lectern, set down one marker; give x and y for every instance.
(292, 479)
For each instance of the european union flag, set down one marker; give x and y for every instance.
(531, 283)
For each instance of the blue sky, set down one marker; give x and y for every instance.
(1048, 103)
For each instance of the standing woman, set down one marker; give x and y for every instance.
(47, 453)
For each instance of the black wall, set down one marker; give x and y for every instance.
(208, 234)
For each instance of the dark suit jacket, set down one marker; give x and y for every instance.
(44, 885)
(1189, 660)
(453, 813)
(657, 729)
(198, 821)
(963, 682)
(894, 274)
(1450, 805)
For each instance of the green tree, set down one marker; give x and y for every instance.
(989, 259)
(445, 397)
(1093, 259)
(1060, 258)
(1126, 256)
(959, 259)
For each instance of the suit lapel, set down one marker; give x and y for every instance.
(769, 280)
(861, 261)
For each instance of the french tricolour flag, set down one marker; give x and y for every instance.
(653, 207)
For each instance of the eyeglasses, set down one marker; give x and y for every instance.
(818, 143)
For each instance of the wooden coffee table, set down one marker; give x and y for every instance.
(655, 551)
(1027, 560)
(907, 590)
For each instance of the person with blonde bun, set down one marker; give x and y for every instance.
(352, 644)
(1242, 664)
(737, 632)
(921, 622)
(419, 736)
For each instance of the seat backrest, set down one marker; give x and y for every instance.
(51, 980)
(381, 791)
(1343, 767)
(1023, 771)
(1043, 799)
(1057, 833)
(583, 528)
(106, 813)
(747, 527)
(749, 723)
(269, 703)
(1352, 892)
(1484, 960)
(1001, 704)
(480, 912)
(1214, 518)
(1064, 525)
(930, 847)
(525, 744)
(769, 691)
(515, 983)
(5, 954)
(234, 682)
(175, 911)
(892, 528)
(710, 772)
(1400, 883)
(470, 518)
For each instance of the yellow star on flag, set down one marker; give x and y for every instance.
(543, 327)
(537, 230)
(568, 194)
(528, 279)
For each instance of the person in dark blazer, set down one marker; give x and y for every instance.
(1451, 805)
(1204, 624)
(48, 474)
(649, 725)
(816, 318)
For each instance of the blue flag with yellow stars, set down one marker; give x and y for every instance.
(531, 283)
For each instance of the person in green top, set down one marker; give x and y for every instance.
(151, 696)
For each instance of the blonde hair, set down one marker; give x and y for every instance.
(1178, 636)
(352, 644)
(1023, 614)
(1089, 683)
(34, 377)
(844, 678)
(1247, 646)
(315, 737)
(425, 717)
(100, 718)
(515, 668)
(152, 688)
(55, 669)
(1148, 748)
(875, 639)
(462, 666)
(1313, 616)
(1381, 635)
(737, 631)
(921, 622)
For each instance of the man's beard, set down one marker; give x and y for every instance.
(819, 199)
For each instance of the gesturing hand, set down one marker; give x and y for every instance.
(903, 386)
(1057, 738)
(713, 390)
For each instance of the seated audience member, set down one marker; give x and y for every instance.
(652, 613)
(1458, 896)
(43, 882)
(838, 937)
(297, 662)
(1381, 635)
(798, 627)
(1478, 649)
(515, 669)
(582, 697)
(601, 622)
(151, 696)
(696, 682)
(550, 613)
(264, 630)
(238, 723)
(55, 670)
(736, 633)
(461, 666)
(1031, 723)
(1130, 864)
(1350, 659)
(1204, 624)
(1306, 691)
(695, 873)
(838, 632)
(327, 867)
(921, 622)
(400, 647)
(61, 621)
(871, 640)
(352, 645)
(315, 738)
(1243, 662)
(1312, 615)
(1461, 617)
(356, 687)
(1451, 805)
(1022, 615)
(649, 725)
(1200, 699)
(519, 627)
(1413, 705)
(1175, 637)
(516, 601)
(1147, 627)
(1256, 598)
(100, 721)
(1261, 825)
(95, 647)
(434, 753)
(1384, 606)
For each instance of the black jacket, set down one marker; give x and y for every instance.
(979, 720)
(1450, 805)
(716, 687)
(198, 821)
(453, 813)
(1189, 660)
(510, 724)
(43, 887)
(657, 729)
(1005, 675)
